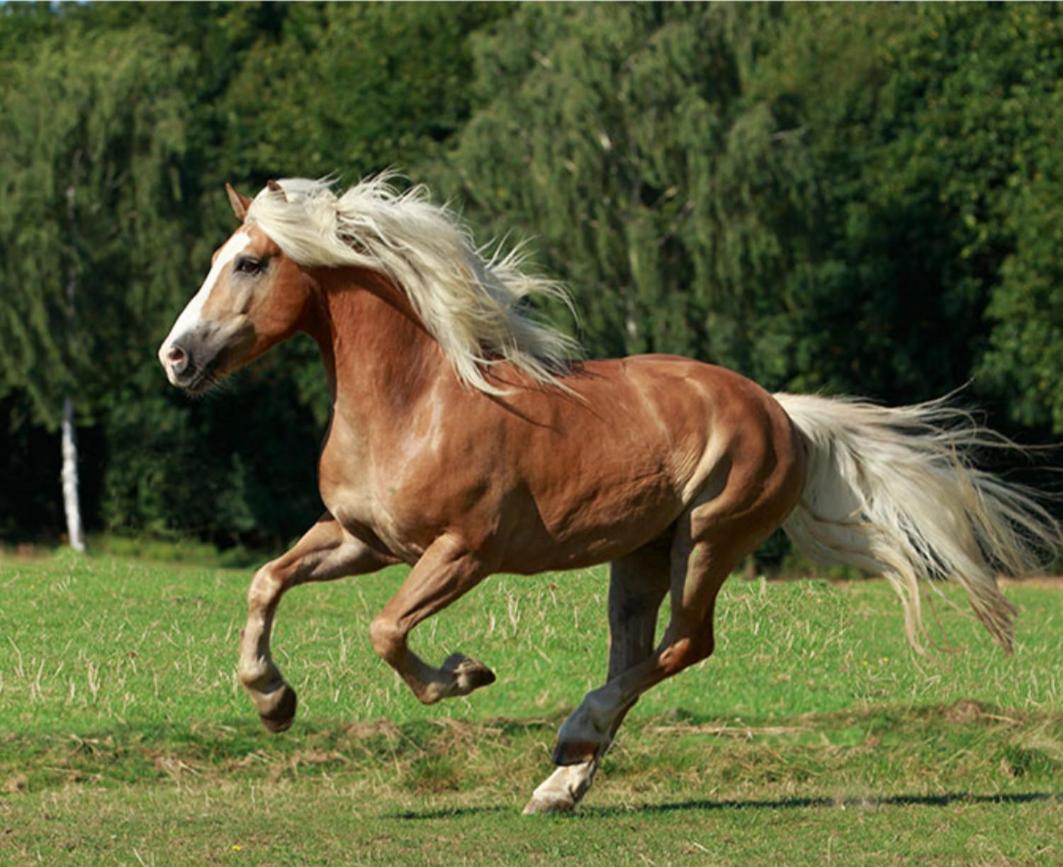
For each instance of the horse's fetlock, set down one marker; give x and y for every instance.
(257, 673)
(596, 704)
(430, 693)
(584, 734)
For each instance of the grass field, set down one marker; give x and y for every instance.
(812, 736)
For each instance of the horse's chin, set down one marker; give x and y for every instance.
(201, 387)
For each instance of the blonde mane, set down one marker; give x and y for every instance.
(469, 302)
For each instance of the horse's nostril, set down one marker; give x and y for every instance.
(177, 358)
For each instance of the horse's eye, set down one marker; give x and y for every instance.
(250, 265)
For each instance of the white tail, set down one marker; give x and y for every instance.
(893, 491)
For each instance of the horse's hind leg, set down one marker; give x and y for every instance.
(703, 554)
(324, 553)
(637, 585)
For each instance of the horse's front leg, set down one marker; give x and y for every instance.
(324, 553)
(446, 570)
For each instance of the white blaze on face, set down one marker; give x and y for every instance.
(190, 316)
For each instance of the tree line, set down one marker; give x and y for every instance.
(855, 199)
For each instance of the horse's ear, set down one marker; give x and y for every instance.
(240, 203)
(277, 189)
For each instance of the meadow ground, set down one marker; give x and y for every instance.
(812, 736)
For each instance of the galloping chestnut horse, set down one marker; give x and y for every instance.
(463, 443)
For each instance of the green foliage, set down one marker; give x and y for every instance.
(205, 470)
(933, 141)
(351, 89)
(822, 197)
(1026, 307)
(30, 454)
(23, 26)
(93, 133)
(619, 136)
(846, 198)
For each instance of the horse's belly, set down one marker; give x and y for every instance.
(591, 520)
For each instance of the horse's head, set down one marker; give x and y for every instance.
(253, 297)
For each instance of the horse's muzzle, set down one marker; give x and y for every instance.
(187, 362)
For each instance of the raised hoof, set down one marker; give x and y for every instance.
(469, 674)
(280, 718)
(540, 804)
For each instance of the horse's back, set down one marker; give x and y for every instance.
(692, 406)
(715, 415)
(639, 440)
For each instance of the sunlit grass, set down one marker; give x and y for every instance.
(118, 699)
(87, 645)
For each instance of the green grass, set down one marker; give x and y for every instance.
(812, 736)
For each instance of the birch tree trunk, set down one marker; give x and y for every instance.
(69, 474)
(71, 505)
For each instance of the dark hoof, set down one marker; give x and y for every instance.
(475, 677)
(282, 716)
(469, 674)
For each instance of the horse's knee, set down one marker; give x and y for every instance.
(387, 638)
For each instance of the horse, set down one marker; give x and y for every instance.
(466, 438)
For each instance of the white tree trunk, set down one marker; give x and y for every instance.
(69, 474)
(70, 478)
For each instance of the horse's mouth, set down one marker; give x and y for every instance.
(203, 380)
(198, 379)
(200, 384)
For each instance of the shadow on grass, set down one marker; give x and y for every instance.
(238, 736)
(942, 800)
(448, 813)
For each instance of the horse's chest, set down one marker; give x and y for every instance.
(372, 500)
(367, 515)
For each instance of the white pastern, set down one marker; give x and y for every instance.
(190, 316)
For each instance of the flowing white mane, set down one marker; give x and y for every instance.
(469, 302)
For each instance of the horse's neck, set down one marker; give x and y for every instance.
(379, 358)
